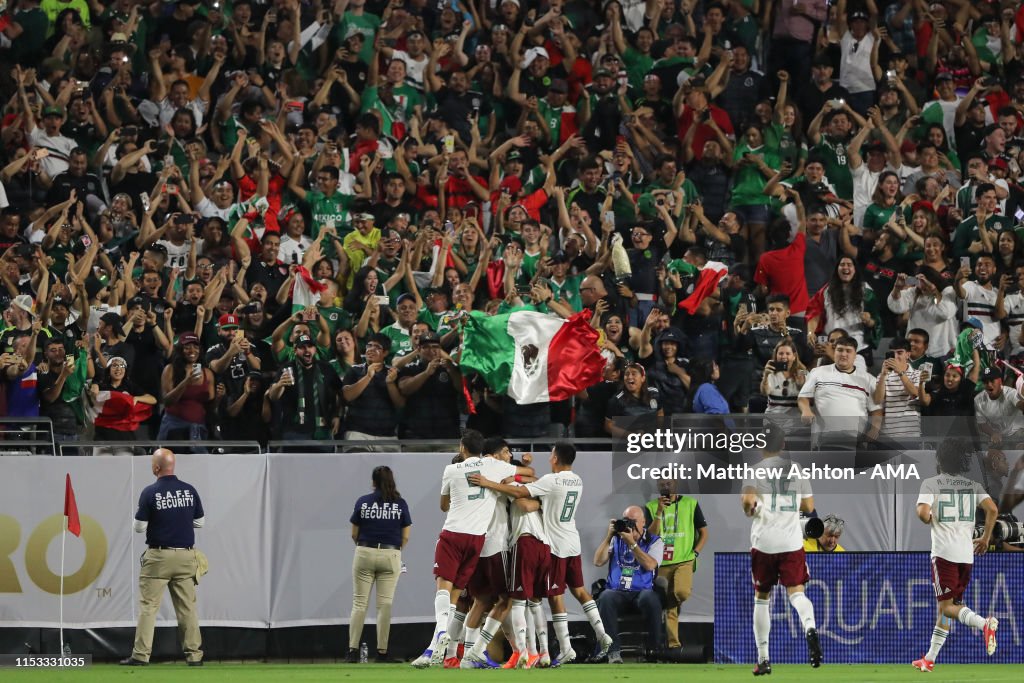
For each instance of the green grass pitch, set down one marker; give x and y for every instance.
(634, 673)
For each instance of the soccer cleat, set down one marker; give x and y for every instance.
(615, 658)
(605, 644)
(923, 664)
(423, 661)
(512, 662)
(472, 661)
(763, 668)
(440, 649)
(814, 647)
(523, 662)
(539, 661)
(564, 658)
(451, 663)
(989, 633)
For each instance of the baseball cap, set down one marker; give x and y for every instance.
(404, 297)
(429, 337)
(433, 290)
(858, 14)
(188, 338)
(24, 302)
(138, 301)
(944, 76)
(60, 301)
(558, 85)
(560, 257)
(603, 72)
(999, 162)
(228, 321)
(975, 323)
(989, 374)
(53, 111)
(304, 340)
(514, 155)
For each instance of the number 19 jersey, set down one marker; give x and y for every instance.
(472, 507)
(560, 494)
(953, 499)
(776, 527)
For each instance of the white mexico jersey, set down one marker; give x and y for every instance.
(953, 499)
(472, 507)
(497, 538)
(526, 523)
(776, 528)
(560, 494)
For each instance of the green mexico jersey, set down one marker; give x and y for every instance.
(837, 165)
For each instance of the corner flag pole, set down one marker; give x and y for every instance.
(63, 535)
(72, 523)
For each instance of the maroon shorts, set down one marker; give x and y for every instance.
(768, 569)
(489, 578)
(530, 566)
(456, 555)
(566, 572)
(949, 579)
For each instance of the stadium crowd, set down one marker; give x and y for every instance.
(256, 220)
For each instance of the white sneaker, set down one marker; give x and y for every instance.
(423, 661)
(606, 644)
(989, 634)
(473, 661)
(544, 662)
(564, 658)
(440, 648)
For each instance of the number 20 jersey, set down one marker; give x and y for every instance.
(560, 495)
(776, 528)
(472, 507)
(953, 499)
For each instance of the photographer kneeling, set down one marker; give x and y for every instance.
(634, 557)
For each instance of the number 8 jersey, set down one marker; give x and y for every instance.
(776, 527)
(560, 494)
(471, 506)
(953, 499)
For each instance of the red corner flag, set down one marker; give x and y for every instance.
(71, 509)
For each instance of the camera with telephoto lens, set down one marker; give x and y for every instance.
(624, 524)
(814, 528)
(1007, 530)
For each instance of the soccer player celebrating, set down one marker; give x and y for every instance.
(957, 498)
(777, 547)
(560, 493)
(469, 510)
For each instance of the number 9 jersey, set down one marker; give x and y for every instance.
(776, 526)
(953, 499)
(472, 507)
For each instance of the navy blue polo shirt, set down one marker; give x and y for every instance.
(380, 521)
(169, 505)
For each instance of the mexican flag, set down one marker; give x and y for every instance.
(708, 278)
(532, 356)
(119, 410)
(305, 291)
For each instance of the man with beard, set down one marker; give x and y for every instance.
(882, 268)
(744, 87)
(710, 174)
(601, 111)
(985, 218)
(371, 391)
(456, 102)
(982, 298)
(393, 202)
(306, 395)
(560, 116)
(231, 361)
(432, 387)
(811, 100)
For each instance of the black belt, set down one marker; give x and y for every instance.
(165, 547)
(379, 546)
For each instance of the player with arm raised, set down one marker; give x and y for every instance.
(947, 504)
(560, 493)
(777, 546)
(469, 510)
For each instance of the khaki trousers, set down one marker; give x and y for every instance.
(680, 584)
(176, 570)
(370, 566)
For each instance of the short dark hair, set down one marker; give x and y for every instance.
(494, 444)
(952, 456)
(921, 333)
(473, 442)
(847, 341)
(777, 299)
(565, 452)
(899, 344)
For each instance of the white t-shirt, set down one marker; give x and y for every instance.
(167, 111)
(954, 499)
(177, 255)
(865, 182)
(839, 394)
(524, 523)
(59, 148)
(560, 494)
(207, 209)
(1001, 414)
(291, 246)
(413, 68)
(776, 527)
(901, 418)
(856, 75)
(981, 304)
(1014, 305)
(471, 507)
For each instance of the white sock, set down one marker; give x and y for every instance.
(561, 622)
(762, 627)
(531, 630)
(491, 627)
(938, 640)
(590, 609)
(442, 607)
(472, 635)
(518, 617)
(972, 619)
(804, 609)
(456, 627)
(509, 630)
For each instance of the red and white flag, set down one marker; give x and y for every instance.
(119, 410)
(71, 508)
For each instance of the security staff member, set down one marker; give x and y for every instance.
(681, 525)
(380, 529)
(168, 512)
